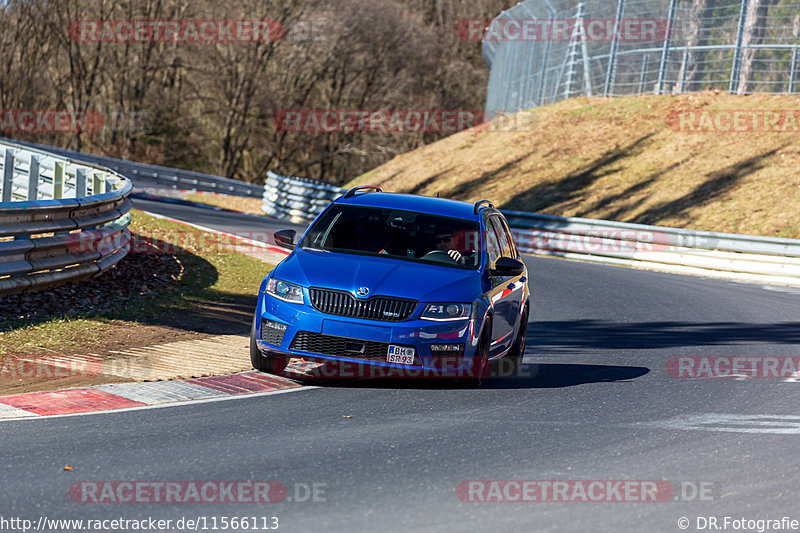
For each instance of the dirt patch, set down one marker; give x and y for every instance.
(136, 275)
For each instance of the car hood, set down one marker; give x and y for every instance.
(382, 276)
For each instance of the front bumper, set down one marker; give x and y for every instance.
(309, 334)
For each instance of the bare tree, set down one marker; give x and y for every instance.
(755, 28)
(697, 35)
(76, 86)
(24, 58)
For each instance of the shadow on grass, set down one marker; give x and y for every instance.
(421, 186)
(570, 187)
(465, 189)
(718, 183)
(626, 194)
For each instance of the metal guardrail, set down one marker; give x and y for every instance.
(297, 199)
(60, 220)
(743, 257)
(726, 255)
(142, 174)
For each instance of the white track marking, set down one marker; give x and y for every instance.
(30, 416)
(764, 424)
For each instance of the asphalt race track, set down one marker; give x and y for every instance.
(595, 402)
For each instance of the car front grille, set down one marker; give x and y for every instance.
(321, 344)
(342, 303)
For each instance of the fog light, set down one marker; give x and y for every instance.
(273, 325)
(447, 355)
(446, 348)
(272, 332)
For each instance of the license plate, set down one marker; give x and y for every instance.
(400, 355)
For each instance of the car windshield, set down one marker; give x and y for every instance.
(418, 237)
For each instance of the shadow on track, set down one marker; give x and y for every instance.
(530, 376)
(566, 336)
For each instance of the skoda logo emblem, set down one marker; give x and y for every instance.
(362, 291)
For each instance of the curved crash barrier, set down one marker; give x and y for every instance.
(60, 220)
(724, 255)
(297, 199)
(160, 177)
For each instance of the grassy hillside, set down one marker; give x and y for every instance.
(620, 159)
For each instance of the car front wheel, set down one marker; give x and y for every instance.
(273, 364)
(517, 352)
(480, 361)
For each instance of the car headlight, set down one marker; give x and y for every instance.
(283, 290)
(446, 312)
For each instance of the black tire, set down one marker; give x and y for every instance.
(271, 364)
(517, 351)
(481, 366)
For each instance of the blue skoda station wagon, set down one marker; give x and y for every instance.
(399, 284)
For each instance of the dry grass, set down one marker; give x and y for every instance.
(234, 203)
(619, 159)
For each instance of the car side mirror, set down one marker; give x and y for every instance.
(285, 238)
(506, 266)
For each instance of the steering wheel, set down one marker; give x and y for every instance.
(440, 256)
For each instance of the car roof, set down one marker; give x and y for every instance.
(412, 202)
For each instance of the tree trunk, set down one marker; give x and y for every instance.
(697, 35)
(754, 32)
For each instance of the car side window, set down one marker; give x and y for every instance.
(510, 237)
(505, 245)
(493, 250)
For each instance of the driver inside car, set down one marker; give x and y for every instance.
(445, 241)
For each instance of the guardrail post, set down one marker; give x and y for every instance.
(97, 184)
(8, 174)
(58, 180)
(662, 69)
(33, 179)
(793, 71)
(80, 183)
